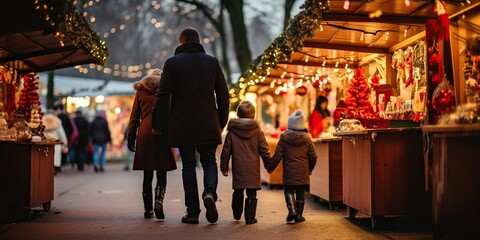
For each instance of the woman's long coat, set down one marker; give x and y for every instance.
(152, 152)
(245, 143)
(299, 157)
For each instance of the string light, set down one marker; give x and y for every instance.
(346, 4)
(405, 33)
(407, 3)
(306, 59)
(361, 37)
(321, 28)
(386, 35)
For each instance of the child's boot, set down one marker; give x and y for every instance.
(290, 200)
(237, 205)
(300, 206)
(250, 210)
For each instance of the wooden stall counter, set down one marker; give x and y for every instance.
(276, 177)
(326, 178)
(454, 178)
(26, 178)
(383, 172)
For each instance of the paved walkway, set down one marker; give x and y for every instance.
(108, 205)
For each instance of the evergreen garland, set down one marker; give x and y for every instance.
(301, 27)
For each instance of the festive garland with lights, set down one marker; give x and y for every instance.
(301, 27)
(62, 16)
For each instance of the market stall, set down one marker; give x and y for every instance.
(49, 35)
(326, 179)
(452, 139)
(385, 62)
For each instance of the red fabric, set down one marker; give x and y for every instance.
(316, 124)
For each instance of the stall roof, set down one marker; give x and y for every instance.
(52, 37)
(337, 37)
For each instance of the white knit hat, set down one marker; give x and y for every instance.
(296, 120)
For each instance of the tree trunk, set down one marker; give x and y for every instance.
(242, 49)
(287, 9)
(50, 89)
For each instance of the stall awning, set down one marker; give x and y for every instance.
(51, 37)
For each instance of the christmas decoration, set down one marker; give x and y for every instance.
(301, 27)
(443, 98)
(29, 96)
(358, 94)
(65, 21)
(302, 90)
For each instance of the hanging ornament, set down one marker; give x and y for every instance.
(443, 98)
(302, 90)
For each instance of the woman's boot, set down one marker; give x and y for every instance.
(290, 200)
(237, 205)
(300, 206)
(147, 204)
(159, 196)
(250, 210)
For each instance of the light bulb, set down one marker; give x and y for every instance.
(407, 3)
(405, 33)
(346, 4)
(361, 37)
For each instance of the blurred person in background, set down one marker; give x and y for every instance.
(70, 131)
(54, 132)
(100, 135)
(81, 145)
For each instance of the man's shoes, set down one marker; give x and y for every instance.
(148, 214)
(209, 203)
(190, 219)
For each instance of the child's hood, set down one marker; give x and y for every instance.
(243, 127)
(295, 137)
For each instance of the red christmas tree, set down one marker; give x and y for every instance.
(358, 94)
(29, 95)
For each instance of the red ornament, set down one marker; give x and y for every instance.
(436, 79)
(302, 90)
(444, 102)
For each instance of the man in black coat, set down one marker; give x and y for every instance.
(191, 109)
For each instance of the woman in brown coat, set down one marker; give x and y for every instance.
(151, 152)
(299, 158)
(245, 143)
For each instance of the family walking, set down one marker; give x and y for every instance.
(186, 106)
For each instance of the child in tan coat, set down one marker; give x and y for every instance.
(299, 158)
(245, 143)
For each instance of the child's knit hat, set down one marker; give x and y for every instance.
(296, 120)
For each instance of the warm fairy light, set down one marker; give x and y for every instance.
(407, 3)
(386, 35)
(361, 36)
(336, 64)
(321, 28)
(324, 62)
(306, 59)
(405, 32)
(346, 66)
(346, 4)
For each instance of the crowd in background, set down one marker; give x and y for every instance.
(86, 141)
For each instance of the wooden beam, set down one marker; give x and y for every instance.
(407, 42)
(344, 47)
(365, 18)
(422, 35)
(317, 64)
